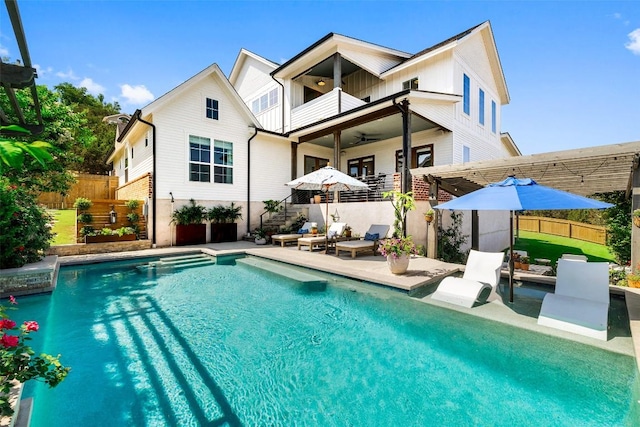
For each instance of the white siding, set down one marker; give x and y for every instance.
(374, 63)
(185, 116)
(254, 77)
(318, 109)
(270, 168)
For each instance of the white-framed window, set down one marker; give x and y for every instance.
(265, 101)
(466, 93)
(223, 162)
(212, 109)
(199, 159)
(481, 106)
(466, 154)
(410, 84)
(493, 116)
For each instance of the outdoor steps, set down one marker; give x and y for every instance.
(309, 280)
(183, 261)
(278, 219)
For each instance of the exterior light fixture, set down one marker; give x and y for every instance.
(321, 82)
(113, 216)
(336, 216)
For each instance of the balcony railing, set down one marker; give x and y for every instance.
(323, 107)
(378, 184)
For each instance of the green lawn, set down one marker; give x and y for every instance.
(64, 225)
(551, 247)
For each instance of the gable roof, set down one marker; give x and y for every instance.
(181, 88)
(243, 55)
(484, 29)
(330, 43)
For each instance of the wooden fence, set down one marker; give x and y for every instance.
(101, 219)
(93, 187)
(562, 227)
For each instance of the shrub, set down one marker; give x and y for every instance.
(87, 230)
(224, 214)
(450, 241)
(132, 204)
(85, 218)
(133, 217)
(189, 214)
(25, 227)
(18, 361)
(82, 204)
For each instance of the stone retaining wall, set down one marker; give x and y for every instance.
(99, 248)
(31, 279)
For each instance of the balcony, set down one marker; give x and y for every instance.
(328, 105)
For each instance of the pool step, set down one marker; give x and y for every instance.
(183, 261)
(282, 270)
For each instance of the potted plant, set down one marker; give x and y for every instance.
(524, 263)
(516, 261)
(633, 278)
(636, 217)
(223, 222)
(272, 206)
(347, 231)
(260, 236)
(428, 215)
(398, 251)
(190, 227)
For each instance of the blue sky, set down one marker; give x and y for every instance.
(572, 68)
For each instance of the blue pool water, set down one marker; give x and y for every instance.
(231, 345)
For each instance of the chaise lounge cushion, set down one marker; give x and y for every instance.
(355, 246)
(580, 303)
(481, 272)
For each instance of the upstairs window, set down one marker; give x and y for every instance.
(466, 154)
(493, 116)
(266, 101)
(481, 106)
(199, 159)
(466, 84)
(223, 162)
(410, 84)
(212, 109)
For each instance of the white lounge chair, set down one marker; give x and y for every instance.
(481, 272)
(379, 231)
(573, 257)
(283, 239)
(580, 303)
(335, 230)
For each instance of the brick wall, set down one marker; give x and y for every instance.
(420, 189)
(138, 189)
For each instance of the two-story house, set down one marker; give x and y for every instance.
(362, 107)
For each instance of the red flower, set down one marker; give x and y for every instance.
(31, 325)
(7, 324)
(9, 341)
(12, 300)
(20, 248)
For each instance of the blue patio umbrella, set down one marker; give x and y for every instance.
(514, 194)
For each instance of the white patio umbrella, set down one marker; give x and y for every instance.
(327, 179)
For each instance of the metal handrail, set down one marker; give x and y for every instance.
(279, 203)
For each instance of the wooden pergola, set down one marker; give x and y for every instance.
(583, 171)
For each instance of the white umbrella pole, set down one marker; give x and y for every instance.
(326, 222)
(510, 256)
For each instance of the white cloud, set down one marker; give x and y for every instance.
(634, 41)
(4, 51)
(617, 15)
(68, 75)
(92, 87)
(135, 94)
(42, 71)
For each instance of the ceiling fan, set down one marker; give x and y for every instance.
(365, 138)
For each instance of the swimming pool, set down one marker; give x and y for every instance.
(230, 343)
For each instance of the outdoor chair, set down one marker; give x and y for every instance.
(283, 239)
(481, 272)
(369, 244)
(335, 230)
(580, 303)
